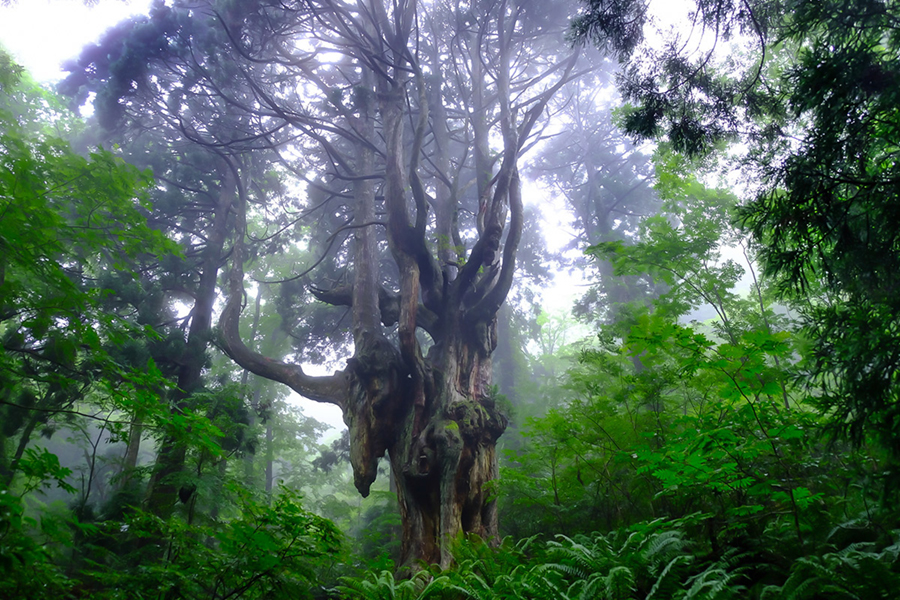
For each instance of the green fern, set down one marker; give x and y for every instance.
(856, 572)
(579, 559)
(620, 583)
(715, 583)
(665, 546)
(670, 579)
(383, 586)
(619, 564)
(589, 588)
(538, 584)
(486, 573)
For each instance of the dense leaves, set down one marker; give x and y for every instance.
(669, 445)
(66, 220)
(810, 97)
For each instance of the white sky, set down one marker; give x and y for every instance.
(41, 34)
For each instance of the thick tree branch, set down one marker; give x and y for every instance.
(491, 302)
(332, 389)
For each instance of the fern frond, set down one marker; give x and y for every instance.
(523, 545)
(634, 543)
(669, 579)
(715, 583)
(661, 549)
(619, 583)
(537, 583)
(589, 588)
(383, 586)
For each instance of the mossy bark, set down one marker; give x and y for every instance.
(441, 444)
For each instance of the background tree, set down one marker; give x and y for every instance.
(66, 220)
(811, 97)
(153, 79)
(607, 184)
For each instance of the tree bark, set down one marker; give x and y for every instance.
(132, 450)
(162, 489)
(270, 458)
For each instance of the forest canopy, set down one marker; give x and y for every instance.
(364, 203)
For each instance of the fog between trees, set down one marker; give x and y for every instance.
(361, 186)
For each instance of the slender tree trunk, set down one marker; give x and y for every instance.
(222, 469)
(270, 458)
(132, 451)
(249, 458)
(162, 491)
(24, 438)
(6, 473)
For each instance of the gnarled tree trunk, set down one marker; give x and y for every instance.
(429, 407)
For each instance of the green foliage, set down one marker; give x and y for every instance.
(483, 572)
(29, 548)
(859, 571)
(705, 423)
(67, 223)
(681, 460)
(65, 219)
(40, 468)
(265, 551)
(812, 101)
(650, 561)
(827, 216)
(384, 586)
(613, 25)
